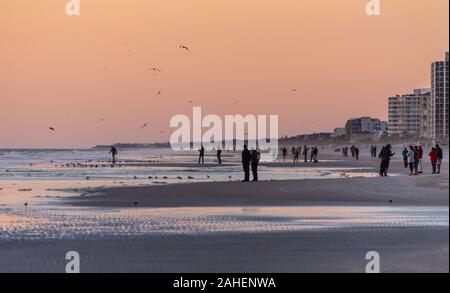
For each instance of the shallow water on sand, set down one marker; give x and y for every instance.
(40, 222)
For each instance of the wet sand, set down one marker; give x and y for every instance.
(402, 248)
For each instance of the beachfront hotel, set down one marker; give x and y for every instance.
(409, 114)
(439, 99)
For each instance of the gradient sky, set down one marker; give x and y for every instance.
(343, 63)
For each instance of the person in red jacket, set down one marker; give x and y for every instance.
(434, 158)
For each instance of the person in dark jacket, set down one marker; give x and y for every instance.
(219, 156)
(255, 157)
(385, 156)
(246, 159)
(405, 157)
(201, 155)
(113, 153)
(440, 153)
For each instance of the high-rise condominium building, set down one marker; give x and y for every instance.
(439, 101)
(409, 114)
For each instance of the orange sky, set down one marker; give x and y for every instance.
(343, 63)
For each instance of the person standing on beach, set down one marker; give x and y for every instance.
(293, 150)
(411, 160)
(255, 157)
(440, 153)
(113, 153)
(284, 153)
(219, 156)
(434, 158)
(305, 153)
(420, 154)
(405, 157)
(357, 153)
(246, 159)
(314, 154)
(416, 160)
(297, 154)
(385, 156)
(201, 155)
(375, 151)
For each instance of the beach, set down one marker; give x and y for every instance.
(313, 218)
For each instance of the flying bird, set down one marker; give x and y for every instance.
(154, 69)
(158, 93)
(144, 125)
(184, 48)
(52, 128)
(102, 120)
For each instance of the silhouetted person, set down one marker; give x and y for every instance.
(405, 157)
(315, 153)
(113, 153)
(246, 159)
(297, 154)
(284, 153)
(416, 159)
(255, 161)
(219, 156)
(293, 150)
(305, 153)
(420, 154)
(201, 155)
(411, 160)
(440, 158)
(385, 156)
(357, 153)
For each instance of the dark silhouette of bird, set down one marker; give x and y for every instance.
(144, 125)
(135, 203)
(154, 69)
(25, 204)
(190, 177)
(135, 177)
(158, 93)
(102, 120)
(87, 178)
(52, 128)
(184, 47)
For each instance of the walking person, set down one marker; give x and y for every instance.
(113, 153)
(246, 159)
(375, 151)
(357, 153)
(405, 157)
(201, 155)
(219, 156)
(434, 158)
(255, 157)
(440, 158)
(411, 160)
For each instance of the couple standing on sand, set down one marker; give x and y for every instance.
(250, 158)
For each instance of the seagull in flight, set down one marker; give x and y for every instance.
(154, 69)
(158, 93)
(184, 47)
(52, 128)
(102, 120)
(144, 125)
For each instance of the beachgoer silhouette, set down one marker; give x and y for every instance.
(246, 159)
(255, 157)
(113, 153)
(219, 156)
(201, 155)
